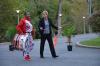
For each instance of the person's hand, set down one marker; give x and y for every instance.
(56, 32)
(41, 28)
(59, 28)
(22, 33)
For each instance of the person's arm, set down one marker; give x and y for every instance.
(18, 27)
(33, 32)
(53, 25)
(40, 27)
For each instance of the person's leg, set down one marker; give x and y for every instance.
(43, 38)
(26, 50)
(49, 38)
(31, 42)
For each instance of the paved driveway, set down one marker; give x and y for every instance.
(78, 57)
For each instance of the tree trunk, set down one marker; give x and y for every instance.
(69, 46)
(69, 39)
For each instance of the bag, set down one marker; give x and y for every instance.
(55, 40)
(19, 41)
(11, 48)
(69, 47)
(13, 43)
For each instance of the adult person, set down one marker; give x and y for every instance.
(45, 29)
(24, 29)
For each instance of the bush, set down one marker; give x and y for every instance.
(10, 33)
(69, 30)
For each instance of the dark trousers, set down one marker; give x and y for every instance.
(49, 39)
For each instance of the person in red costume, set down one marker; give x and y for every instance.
(24, 29)
(21, 27)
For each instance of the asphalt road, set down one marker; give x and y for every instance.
(78, 57)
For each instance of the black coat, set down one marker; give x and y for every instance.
(42, 25)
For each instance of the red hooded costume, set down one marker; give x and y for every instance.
(21, 27)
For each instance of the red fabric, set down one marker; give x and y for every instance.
(55, 40)
(33, 32)
(21, 27)
(27, 58)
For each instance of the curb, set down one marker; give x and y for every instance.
(5, 43)
(80, 45)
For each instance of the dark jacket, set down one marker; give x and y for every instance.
(42, 25)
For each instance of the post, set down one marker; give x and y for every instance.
(90, 13)
(18, 14)
(84, 25)
(59, 16)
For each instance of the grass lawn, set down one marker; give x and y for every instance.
(92, 42)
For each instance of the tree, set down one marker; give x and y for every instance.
(69, 31)
(71, 12)
(94, 20)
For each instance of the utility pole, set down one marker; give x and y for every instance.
(17, 16)
(90, 13)
(59, 16)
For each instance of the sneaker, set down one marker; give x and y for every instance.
(41, 56)
(27, 58)
(55, 56)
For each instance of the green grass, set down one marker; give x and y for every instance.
(92, 42)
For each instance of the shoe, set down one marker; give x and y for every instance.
(27, 58)
(55, 56)
(41, 56)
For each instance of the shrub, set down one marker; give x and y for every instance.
(69, 30)
(10, 33)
